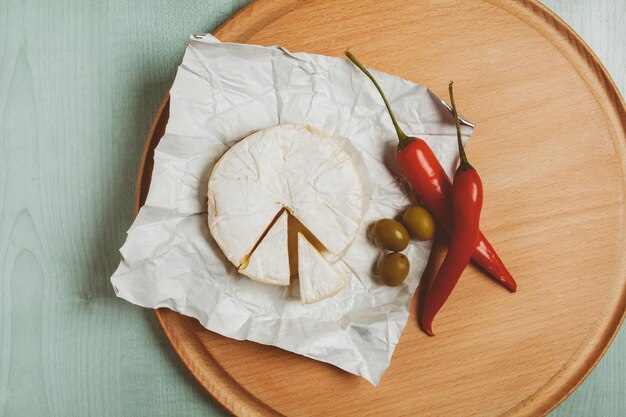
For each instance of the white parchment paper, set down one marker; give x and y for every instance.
(224, 92)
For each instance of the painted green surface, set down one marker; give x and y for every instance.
(79, 84)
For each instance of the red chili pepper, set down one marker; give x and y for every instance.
(429, 180)
(467, 201)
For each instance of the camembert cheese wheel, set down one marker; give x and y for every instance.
(285, 170)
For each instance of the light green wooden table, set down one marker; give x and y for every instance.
(79, 84)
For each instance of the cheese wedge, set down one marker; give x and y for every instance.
(269, 261)
(295, 167)
(318, 279)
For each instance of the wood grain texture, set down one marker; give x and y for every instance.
(522, 355)
(79, 85)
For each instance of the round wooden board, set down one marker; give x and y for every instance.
(549, 144)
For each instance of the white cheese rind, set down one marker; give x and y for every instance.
(318, 279)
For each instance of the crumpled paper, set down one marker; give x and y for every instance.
(224, 92)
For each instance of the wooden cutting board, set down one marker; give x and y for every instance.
(550, 145)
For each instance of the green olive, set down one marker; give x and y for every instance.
(419, 223)
(391, 234)
(393, 269)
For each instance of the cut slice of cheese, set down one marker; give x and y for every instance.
(318, 279)
(287, 166)
(269, 261)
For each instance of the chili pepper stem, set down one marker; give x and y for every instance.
(464, 164)
(403, 139)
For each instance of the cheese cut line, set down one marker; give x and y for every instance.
(275, 260)
(294, 224)
(295, 227)
(243, 263)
